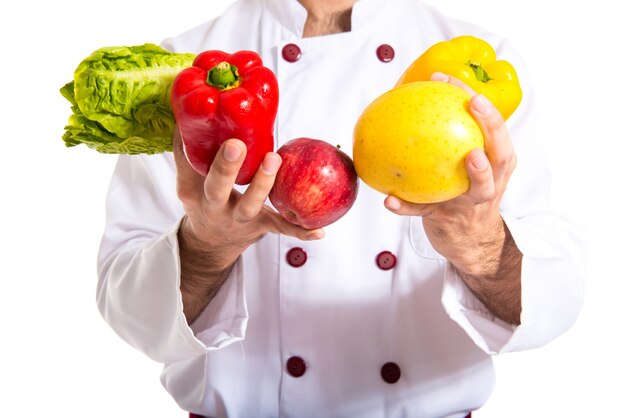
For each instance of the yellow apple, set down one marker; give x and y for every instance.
(411, 142)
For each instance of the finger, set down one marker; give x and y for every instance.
(482, 187)
(498, 145)
(253, 199)
(404, 208)
(223, 172)
(274, 222)
(189, 183)
(445, 78)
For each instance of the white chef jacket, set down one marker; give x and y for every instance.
(341, 314)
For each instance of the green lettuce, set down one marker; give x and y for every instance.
(120, 99)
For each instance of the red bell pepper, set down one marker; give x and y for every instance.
(224, 96)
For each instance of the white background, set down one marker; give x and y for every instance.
(58, 357)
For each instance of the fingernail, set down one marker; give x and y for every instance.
(232, 152)
(437, 76)
(482, 105)
(270, 164)
(392, 203)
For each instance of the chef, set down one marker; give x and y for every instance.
(395, 309)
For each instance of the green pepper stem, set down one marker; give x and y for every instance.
(479, 71)
(223, 76)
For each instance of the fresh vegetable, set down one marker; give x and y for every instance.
(474, 62)
(226, 96)
(120, 99)
(411, 142)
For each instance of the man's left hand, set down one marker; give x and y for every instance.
(469, 230)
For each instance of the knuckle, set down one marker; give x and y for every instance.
(223, 169)
(513, 162)
(491, 193)
(478, 197)
(483, 192)
(184, 192)
(502, 162)
(426, 210)
(495, 124)
(245, 214)
(211, 193)
(486, 196)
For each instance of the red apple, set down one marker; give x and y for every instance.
(316, 183)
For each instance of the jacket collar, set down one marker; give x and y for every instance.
(292, 15)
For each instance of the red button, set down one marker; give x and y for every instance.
(390, 372)
(385, 53)
(296, 366)
(296, 257)
(386, 260)
(291, 53)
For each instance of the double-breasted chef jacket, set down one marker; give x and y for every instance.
(368, 322)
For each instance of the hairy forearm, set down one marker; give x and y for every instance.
(496, 278)
(200, 278)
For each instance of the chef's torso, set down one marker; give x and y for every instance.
(351, 325)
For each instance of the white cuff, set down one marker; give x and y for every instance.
(488, 332)
(552, 289)
(225, 319)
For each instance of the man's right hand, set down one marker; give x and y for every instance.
(220, 222)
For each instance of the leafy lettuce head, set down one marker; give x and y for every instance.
(120, 99)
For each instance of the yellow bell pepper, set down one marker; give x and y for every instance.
(473, 61)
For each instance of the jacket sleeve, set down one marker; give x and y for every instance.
(553, 250)
(138, 290)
